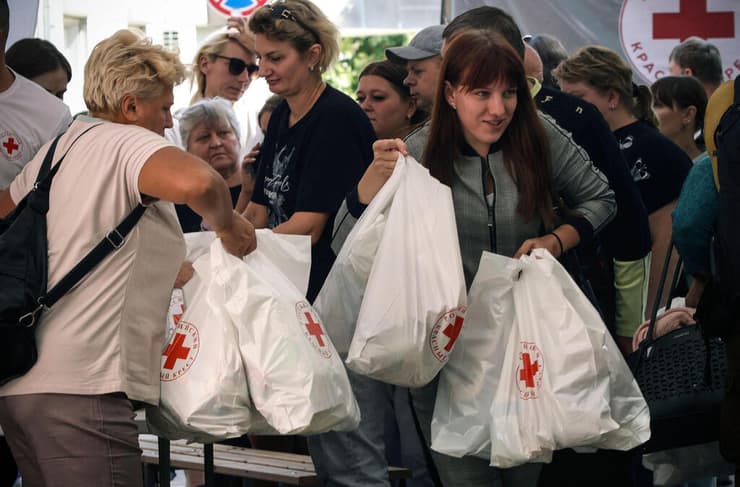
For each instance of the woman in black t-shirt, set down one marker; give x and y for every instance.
(658, 166)
(318, 141)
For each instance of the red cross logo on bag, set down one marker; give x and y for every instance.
(181, 351)
(445, 333)
(312, 329)
(529, 371)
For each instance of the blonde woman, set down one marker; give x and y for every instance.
(658, 166)
(69, 420)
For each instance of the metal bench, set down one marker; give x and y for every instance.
(287, 468)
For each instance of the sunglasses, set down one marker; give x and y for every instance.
(237, 66)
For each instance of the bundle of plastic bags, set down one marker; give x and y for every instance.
(249, 354)
(395, 298)
(535, 371)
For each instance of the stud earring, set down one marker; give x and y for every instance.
(454, 107)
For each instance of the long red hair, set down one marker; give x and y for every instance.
(476, 59)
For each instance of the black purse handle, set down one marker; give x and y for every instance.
(659, 292)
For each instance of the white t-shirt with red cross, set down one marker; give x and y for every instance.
(30, 117)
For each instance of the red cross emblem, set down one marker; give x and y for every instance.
(449, 324)
(693, 19)
(312, 329)
(529, 370)
(175, 350)
(11, 146)
(452, 332)
(181, 352)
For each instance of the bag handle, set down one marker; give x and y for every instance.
(659, 292)
(113, 240)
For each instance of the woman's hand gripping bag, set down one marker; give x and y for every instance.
(538, 380)
(296, 379)
(204, 395)
(414, 303)
(340, 297)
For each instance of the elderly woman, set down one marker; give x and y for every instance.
(209, 130)
(69, 420)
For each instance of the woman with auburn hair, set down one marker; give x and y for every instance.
(658, 166)
(70, 419)
(488, 143)
(387, 101)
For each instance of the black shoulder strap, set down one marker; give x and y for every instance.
(736, 97)
(661, 285)
(112, 241)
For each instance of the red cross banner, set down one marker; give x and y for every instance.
(644, 31)
(650, 30)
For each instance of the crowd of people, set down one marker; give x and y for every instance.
(541, 149)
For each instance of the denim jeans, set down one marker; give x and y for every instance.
(468, 471)
(359, 457)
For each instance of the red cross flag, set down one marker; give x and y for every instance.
(649, 31)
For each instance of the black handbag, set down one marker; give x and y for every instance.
(682, 376)
(24, 270)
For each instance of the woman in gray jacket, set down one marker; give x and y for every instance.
(505, 164)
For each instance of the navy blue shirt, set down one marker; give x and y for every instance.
(589, 130)
(657, 165)
(312, 165)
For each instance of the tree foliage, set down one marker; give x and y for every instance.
(355, 54)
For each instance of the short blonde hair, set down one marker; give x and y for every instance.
(311, 26)
(128, 63)
(213, 46)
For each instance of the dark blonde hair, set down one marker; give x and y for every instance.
(301, 23)
(475, 59)
(605, 70)
(128, 63)
(213, 46)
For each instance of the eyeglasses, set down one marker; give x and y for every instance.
(237, 66)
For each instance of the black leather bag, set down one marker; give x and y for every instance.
(23, 273)
(682, 376)
(24, 270)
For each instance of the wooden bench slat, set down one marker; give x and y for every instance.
(236, 461)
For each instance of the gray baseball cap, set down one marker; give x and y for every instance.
(427, 43)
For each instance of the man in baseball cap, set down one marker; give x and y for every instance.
(422, 60)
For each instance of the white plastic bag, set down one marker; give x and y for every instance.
(414, 300)
(204, 395)
(340, 297)
(296, 378)
(532, 366)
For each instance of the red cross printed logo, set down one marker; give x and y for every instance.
(529, 370)
(181, 351)
(175, 350)
(693, 19)
(445, 332)
(10, 146)
(649, 30)
(312, 329)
